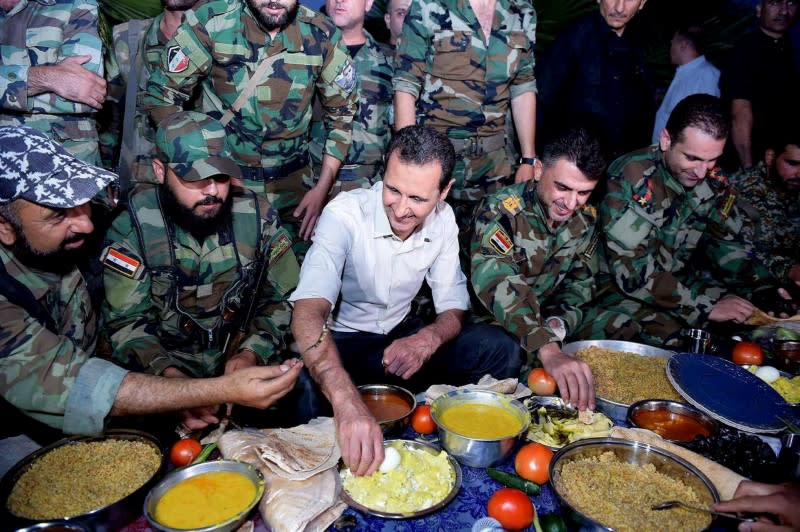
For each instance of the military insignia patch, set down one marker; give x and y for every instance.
(121, 263)
(177, 61)
(500, 241)
(590, 210)
(728, 205)
(279, 247)
(512, 204)
(347, 78)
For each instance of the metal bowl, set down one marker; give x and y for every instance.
(108, 517)
(555, 407)
(616, 411)
(373, 394)
(421, 446)
(634, 453)
(55, 526)
(674, 410)
(477, 452)
(179, 475)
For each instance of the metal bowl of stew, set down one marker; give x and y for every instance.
(673, 421)
(390, 404)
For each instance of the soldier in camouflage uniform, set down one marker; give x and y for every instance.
(452, 78)
(186, 255)
(220, 46)
(532, 252)
(135, 53)
(770, 197)
(371, 125)
(666, 203)
(47, 325)
(51, 71)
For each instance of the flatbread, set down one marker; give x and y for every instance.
(508, 386)
(760, 318)
(301, 452)
(725, 480)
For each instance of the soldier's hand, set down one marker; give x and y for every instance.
(309, 210)
(574, 377)
(524, 173)
(261, 386)
(794, 274)
(405, 356)
(360, 437)
(243, 359)
(199, 418)
(78, 84)
(731, 308)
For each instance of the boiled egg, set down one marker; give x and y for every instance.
(767, 374)
(391, 459)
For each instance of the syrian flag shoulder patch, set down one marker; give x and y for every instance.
(177, 60)
(122, 263)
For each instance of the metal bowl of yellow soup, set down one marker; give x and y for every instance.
(210, 496)
(478, 427)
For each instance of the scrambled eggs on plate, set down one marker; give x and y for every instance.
(421, 480)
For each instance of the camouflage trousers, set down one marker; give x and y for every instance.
(475, 177)
(285, 194)
(77, 136)
(614, 317)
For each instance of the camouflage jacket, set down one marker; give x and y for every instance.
(44, 32)
(773, 219)
(651, 226)
(371, 128)
(463, 86)
(50, 375)
(523, 271)
(165, 303)
(220, 45)
(119, 64)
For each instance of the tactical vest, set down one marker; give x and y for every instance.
(192, 323)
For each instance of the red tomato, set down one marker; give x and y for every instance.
(541, 382)
(533, 462)
(184, 451)
(512, 508)
(421, 420)
(748, 353)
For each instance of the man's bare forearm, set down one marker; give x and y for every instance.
(446, 327)
(742, 131)
(145, 394)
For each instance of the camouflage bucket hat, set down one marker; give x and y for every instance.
(35, 168)
(194, 146)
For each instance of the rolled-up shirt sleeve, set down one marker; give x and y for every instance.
(447, 282)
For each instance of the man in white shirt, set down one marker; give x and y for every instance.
(695, 75)
(372, 249)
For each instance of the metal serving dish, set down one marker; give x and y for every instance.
(477, 452)
(669, 408)
(421, 446)
(55, 526)
(372, 394)
(634, 453)
(616, 411)
(107, 518)
(179, 475)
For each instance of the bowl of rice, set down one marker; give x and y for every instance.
(611, 484)
(93, 481)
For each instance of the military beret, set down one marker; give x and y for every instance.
(195, 146)
(35, 168)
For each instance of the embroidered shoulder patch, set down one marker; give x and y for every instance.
(590, 210)
(728, 205)
(347, 78)
(512, 204)
(501, 242)
(177, 61)
(122, 263)
(279, 247)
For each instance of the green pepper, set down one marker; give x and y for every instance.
(513, 481)
(205, 453)
(784, 334)
(552, 522)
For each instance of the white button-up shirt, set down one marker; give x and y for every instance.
(356, 255)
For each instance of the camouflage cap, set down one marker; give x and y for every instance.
(195, 146)
(35, 168)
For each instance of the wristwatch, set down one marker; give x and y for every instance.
(528, 160)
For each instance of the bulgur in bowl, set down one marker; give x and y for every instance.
(610, 484)
(95, 481)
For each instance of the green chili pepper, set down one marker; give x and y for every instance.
(513, 481)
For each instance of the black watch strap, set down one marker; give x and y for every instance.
(528, 160)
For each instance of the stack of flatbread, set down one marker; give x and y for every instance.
(298, 464)
(510, 387)
(760, 318)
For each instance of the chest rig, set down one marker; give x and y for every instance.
(198, 308)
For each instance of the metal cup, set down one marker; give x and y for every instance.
(698, 341)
